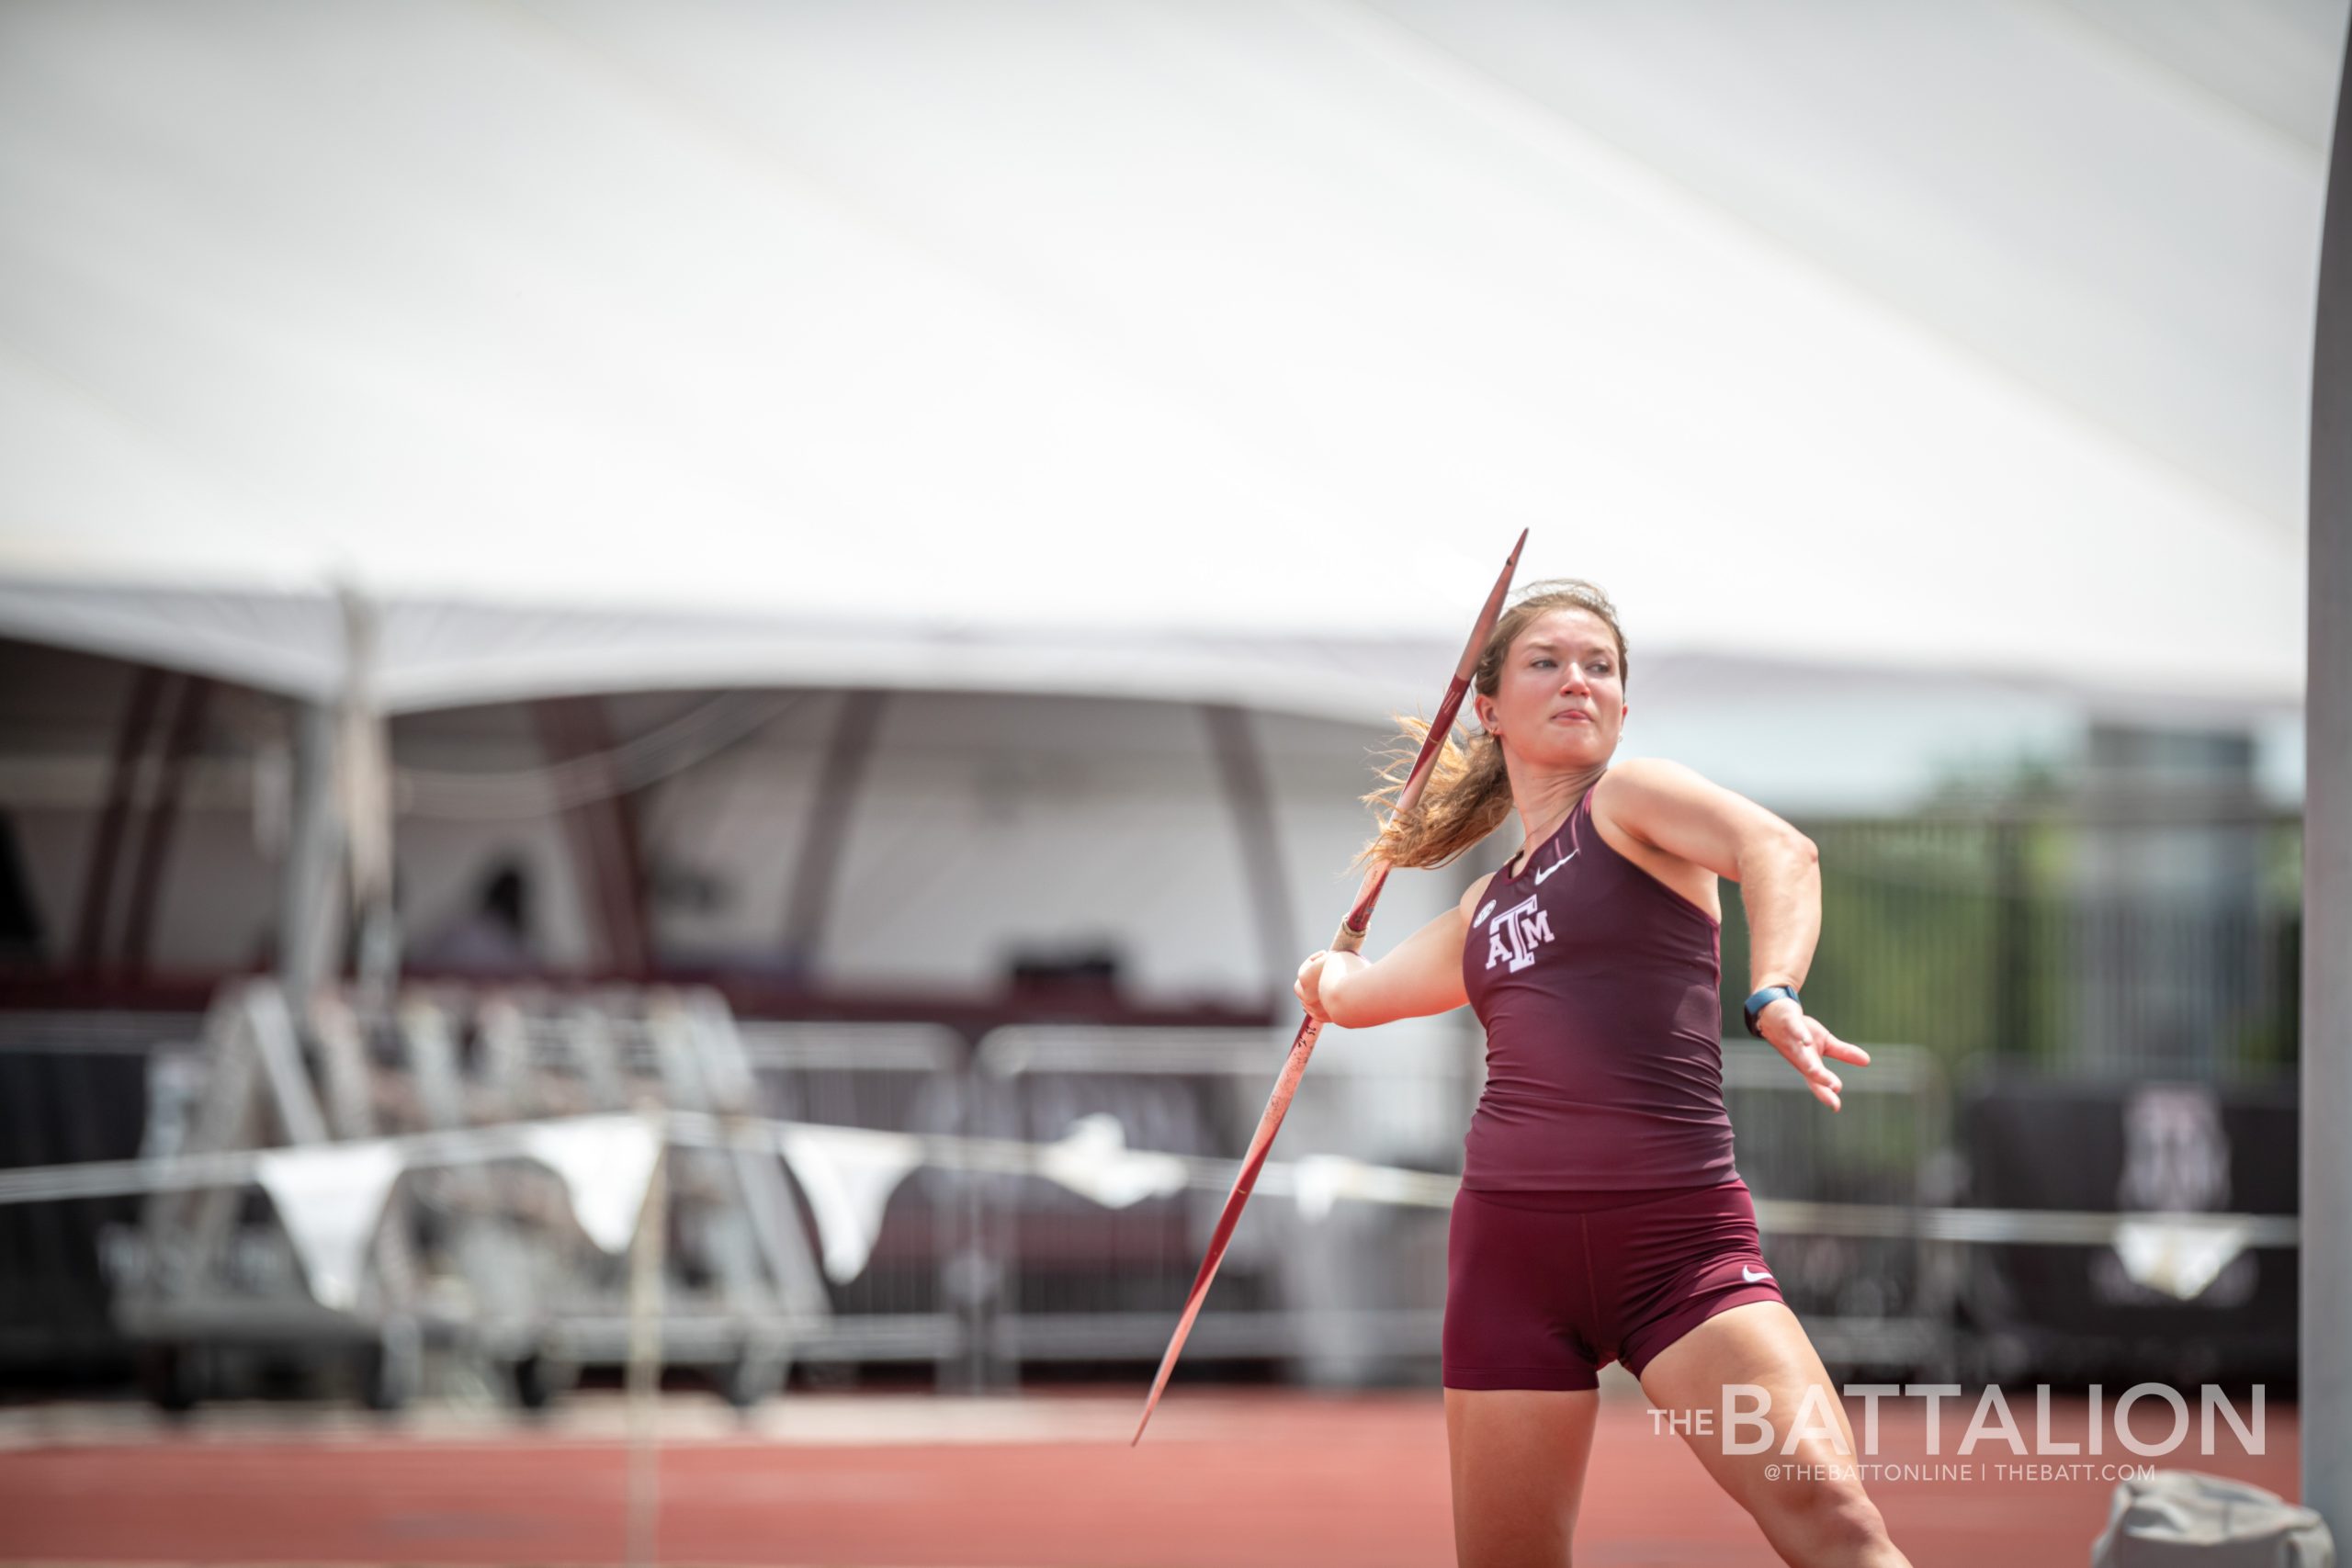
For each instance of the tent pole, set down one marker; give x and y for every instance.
(1242, 770)
(363, 785)
(163, 819)
(106, 844)
(817, 868)
(2326, 1358)
(307, 924)
(603, 830)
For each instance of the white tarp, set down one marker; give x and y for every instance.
(848, 1175)
(606, 1163)
(614, 344)
(2181, 1259)
(1092, 1160)
(329, 1197)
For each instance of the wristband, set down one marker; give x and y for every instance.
(1759, 1000)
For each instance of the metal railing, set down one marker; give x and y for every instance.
(1329, 1292)
(1055, 1191)
(910, 1301)
(1881, 1299)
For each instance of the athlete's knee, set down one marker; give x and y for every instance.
(1827, 1519)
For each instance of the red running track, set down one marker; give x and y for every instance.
(1272, 1480)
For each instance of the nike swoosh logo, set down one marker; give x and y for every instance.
(1752, 1275)
(1555, 867)
(1484, 913)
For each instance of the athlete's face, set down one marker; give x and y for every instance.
(1560, 699)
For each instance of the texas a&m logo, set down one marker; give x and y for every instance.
(1515, 934)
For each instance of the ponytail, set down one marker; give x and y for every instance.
(1467, 798)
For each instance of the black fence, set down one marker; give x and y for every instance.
(2118, 944)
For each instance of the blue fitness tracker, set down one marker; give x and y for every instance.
(1764, 998)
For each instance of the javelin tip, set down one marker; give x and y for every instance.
(1489, 615)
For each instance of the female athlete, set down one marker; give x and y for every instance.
(1600, 1218)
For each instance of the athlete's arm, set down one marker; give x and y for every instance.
(1420, 976)
(1669, 807)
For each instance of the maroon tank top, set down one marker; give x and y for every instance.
(1600, 990)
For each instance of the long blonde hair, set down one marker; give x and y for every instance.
(1469, 794)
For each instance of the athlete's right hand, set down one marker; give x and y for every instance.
(1308, 987)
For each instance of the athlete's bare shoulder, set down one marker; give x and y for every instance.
(1674, 823)
(1644, 776)
(1631, 796)
(1478, 890)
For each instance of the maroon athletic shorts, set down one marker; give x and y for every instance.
(1545, 1289)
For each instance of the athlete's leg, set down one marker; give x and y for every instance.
(1812, 1508)
(1518, 1458)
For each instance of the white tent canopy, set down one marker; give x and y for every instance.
(434, 653)
(1171, 349)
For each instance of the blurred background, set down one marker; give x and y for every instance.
(771, 619)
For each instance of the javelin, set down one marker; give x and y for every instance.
(1350, 940)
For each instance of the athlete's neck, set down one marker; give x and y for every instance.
(1544, 802)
